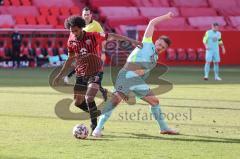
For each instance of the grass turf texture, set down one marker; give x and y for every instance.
(209, 120)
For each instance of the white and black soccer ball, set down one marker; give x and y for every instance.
(80, 131)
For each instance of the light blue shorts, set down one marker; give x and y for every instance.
(129, 81)
(212, 56)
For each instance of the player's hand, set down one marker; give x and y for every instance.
(137, 43)
(170, 15)
(223, 51)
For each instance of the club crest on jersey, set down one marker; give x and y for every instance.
(83, 51)
(88, 41)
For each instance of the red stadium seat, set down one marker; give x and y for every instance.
(20, 20)
(160, 3)
(75, 10)
(109, 3)
(64, 11)
(114, 22)
(2, 51)
(181, 54)
(23, 10)
(61, 50)
(44, 11)
(16, 2)
(34, 26)
(156, 11)
(200, 54)
(3, 10)
(24, 51)
(121, 12)
(179, 23)
(7, 3)
(191, 54)
(6, 26)
(203, 22)
(53, 3)
(190, 3)
(230, 11)
(150, 3)
(235, 21)
(31, 20)
(223, 3)
(42, 20)
(52, 20)
(146, 3)
(54, 11)
(26, 2)
(61, 26)
(6, 20)
(195, 12)
(50, 51)
(171, 54)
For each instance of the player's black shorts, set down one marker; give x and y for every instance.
(83, 81)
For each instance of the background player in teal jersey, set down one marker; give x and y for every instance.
(131, 77)
(212, 40)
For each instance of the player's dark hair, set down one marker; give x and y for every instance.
(86, 9)
(166, 40)
(73, 21)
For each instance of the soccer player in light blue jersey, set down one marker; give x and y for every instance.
(131, 77)
(212, 40)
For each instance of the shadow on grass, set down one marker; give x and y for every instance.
(90, 138)
(207, 139)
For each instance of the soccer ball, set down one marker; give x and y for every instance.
(80, 131)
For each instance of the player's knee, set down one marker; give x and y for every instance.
(154, 102)
(78, 99)
(78, 102)
(89, 99)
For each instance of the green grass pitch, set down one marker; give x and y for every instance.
(206, 113)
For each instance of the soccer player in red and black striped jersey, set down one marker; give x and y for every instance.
(83, 48)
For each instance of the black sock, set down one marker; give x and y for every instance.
(101, 89)
(71, 73)
(83, 106)
(93, 113)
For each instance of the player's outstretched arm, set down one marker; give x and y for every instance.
(64, 69)
(150, 28)
(112, 36)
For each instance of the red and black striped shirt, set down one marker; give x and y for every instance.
(87, 52)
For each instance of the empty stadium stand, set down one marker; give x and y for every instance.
(195, 14)
(192, 15)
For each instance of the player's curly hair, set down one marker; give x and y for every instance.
(73, 21)
(166, 39)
